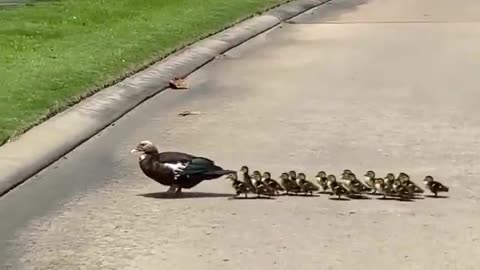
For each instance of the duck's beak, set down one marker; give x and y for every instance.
(134, 150)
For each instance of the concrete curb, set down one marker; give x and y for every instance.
(49, 141)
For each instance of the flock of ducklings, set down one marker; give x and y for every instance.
(400, 187)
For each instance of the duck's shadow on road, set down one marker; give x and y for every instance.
(184, 195)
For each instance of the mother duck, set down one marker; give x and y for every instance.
(175, 169)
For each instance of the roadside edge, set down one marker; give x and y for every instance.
(49, 141)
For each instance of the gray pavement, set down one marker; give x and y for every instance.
(383, 85)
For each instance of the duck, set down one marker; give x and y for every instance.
(256, 173)
(382, 187)
(322, 180)
(345, 172)
(337, 188)
(274, 185)
(434, 186)
(412, 187)
(370, 180)
(176, 169)
(354, 185)
(260, 187)
(306, 186)
(247, 178)
(293, 175)
(401, 190)
(239, 186)
(288, 184)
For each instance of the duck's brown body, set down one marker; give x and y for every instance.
(197, 170)
(175, 169)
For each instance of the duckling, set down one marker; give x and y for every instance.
(389, 179)
(239, 186)
(370, 180)
(434, 186)
(274, 185)
(288, 185)
(247, 179)
(305, 185)
(412, 187)
(260, 187)
(354, 185)
(337, 188)
(256, 173)
(382, 187)
(322, 180)
(401, 190)
(293, 176)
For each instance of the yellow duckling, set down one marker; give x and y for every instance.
(305, 185)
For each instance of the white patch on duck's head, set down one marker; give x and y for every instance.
(142, 156)
(146, 142)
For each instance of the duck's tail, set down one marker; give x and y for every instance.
(220, 172)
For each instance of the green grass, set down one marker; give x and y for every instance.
(52, 54)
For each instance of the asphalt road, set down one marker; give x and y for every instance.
(382, 84)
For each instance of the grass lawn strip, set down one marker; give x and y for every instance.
(54, 54)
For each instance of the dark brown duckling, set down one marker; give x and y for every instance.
(434, 186)
(288, 184)
(274, 185)
(306, 186)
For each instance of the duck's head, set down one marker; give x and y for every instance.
(370, 175)
(321, 174)
(332, 178)
(266, 175)
(403, 177)
(292, 174)
(257, 173)
(145, 147)
(346, 171)
(302, 176)
(244, 169)
(257, 177)
(348, 176)
(390, 176)
(284, 176)
(428, 179)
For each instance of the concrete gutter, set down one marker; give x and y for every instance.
(49, 141)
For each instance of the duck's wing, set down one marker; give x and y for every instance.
(439, 186)
(202, 166)
(175, 157)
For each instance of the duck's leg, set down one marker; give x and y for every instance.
(178, 192)
(171, 189)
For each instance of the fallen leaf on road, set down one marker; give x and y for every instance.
(178, 83)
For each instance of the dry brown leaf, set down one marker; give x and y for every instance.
(178, 83)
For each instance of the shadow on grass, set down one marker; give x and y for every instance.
(184, 195)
